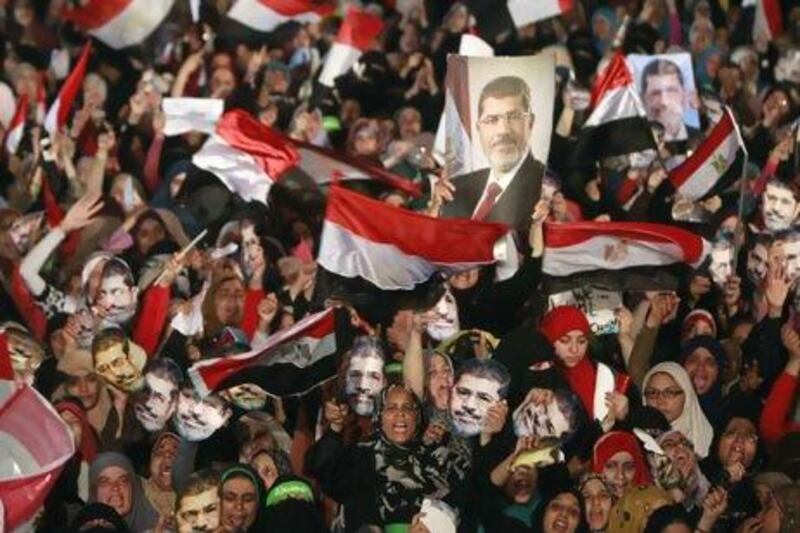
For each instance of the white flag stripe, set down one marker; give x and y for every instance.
(51, 119)
(236, 169)
(605, 252)
(524, 12)
(707, 175)
(616, 104)
(134, 24)
(256, 15)
(14, 137)
(338, 61)
(383, 265)
(191, 114)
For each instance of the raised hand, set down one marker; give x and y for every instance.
(81, 213)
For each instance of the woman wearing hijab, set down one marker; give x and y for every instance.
(667, 387)
(619, 459)
(158, 486)
(600, 389)
(598, 498)
(561, 511)
(604, 27)
(97, 517)
(291, 506)
(241, 500)
(381, 481)
(669, 518)
(705, 362)
(113, 481)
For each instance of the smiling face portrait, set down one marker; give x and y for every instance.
(197, 419)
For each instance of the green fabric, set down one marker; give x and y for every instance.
(290, 489)
(396, 528)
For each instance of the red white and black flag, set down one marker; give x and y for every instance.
(701, 172)
(397, 249)
(356, 35)
(290, 363)
(58, 113)
(119, 23)
(586, 246)
(618, 123)
(266, 15)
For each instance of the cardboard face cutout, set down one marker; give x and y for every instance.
(199, 512)
(364, 381)
(470, 401)
(156, 401)
(121, 365)
(553, 419)
(197, 419)
(778, 208)
(252, 251)
(791, 249)
(721, 267)
(247, 396)
(445, 323)
(757, 259)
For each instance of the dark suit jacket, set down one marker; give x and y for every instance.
(515, 204)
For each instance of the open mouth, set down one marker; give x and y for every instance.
(560, 524)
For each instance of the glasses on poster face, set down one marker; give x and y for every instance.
(514, 118)
(668, 394)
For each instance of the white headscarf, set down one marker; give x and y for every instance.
(691, 422)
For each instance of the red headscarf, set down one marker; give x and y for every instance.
(89, 443)
(621, 441)
(561, 320)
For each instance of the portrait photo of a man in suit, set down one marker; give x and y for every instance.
(507, 190)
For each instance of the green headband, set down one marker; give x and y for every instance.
(238, 470)
(294, 489)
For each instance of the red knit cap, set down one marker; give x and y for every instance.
(561, 320)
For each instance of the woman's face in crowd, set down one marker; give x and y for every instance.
(161, 462)
(702, 369)
(521, 484)
(664, 393)
(149, 233)
(464, 280)
(440, 382)
(597, 501)
(738, 443)
(229, 302)
(267, 471)
(571, 348)
(562, 514)
(399, 416)
(223, 82)
(85, 388)
(115, 488)
(239, 504)
(619, 472)
(74, 424)
(366, 143)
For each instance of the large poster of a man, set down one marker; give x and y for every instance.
(666, 85)
(498, 120)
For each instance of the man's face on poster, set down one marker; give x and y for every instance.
(252, 251)
(197, 419)
(445, 321)
(116, 299)
(199, 512)
(247, 396)
(791, 249)
(364, 381)
(721, 266)
(541, 420)
(778, 207)
(504, 127)
(121, 365)
(470, 401)
(757, 263)
(157, 402)
(664, 100)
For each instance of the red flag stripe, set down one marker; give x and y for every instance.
(615, 75)
(292, 8)
(269, 149)
(6, 370)
(437, 240)
(96, 13)
(717, 136)
(571, 234)
(359, 29)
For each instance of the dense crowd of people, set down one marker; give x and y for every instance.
(471, 403)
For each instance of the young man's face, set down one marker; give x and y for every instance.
(364, 382)
(118, 368)
(116, 300)
(664, 99)
(757, 264)
(199, 512)
(778, 207)
(504, 128)
(469, 402)
(197, 419)
(158, 401)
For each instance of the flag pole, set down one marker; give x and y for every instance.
(738, 238)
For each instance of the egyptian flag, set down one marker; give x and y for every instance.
(324, 167)
(247, 156)
(34, 453)
(356, 35)
(394, 248)
(266, 15)
(702, 171)
(618, 123)
(524, 12)
(768, 20)
(119, 23)
(586, 246)
(58, 113)
(291, 362)
(16, 129)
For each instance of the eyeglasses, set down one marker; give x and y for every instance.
(747, 436)
(512, 117)
(668, 394)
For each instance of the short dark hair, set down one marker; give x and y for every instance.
(660, 67)
(107, 338)
(198, 483)
(788, 185)
(488, 369)
(504, 87)
(118, 267)
(165, 368)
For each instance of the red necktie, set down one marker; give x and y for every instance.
(492, 193)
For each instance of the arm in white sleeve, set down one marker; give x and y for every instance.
(37, 257)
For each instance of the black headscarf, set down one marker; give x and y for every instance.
(290, 506)
(101, 512)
